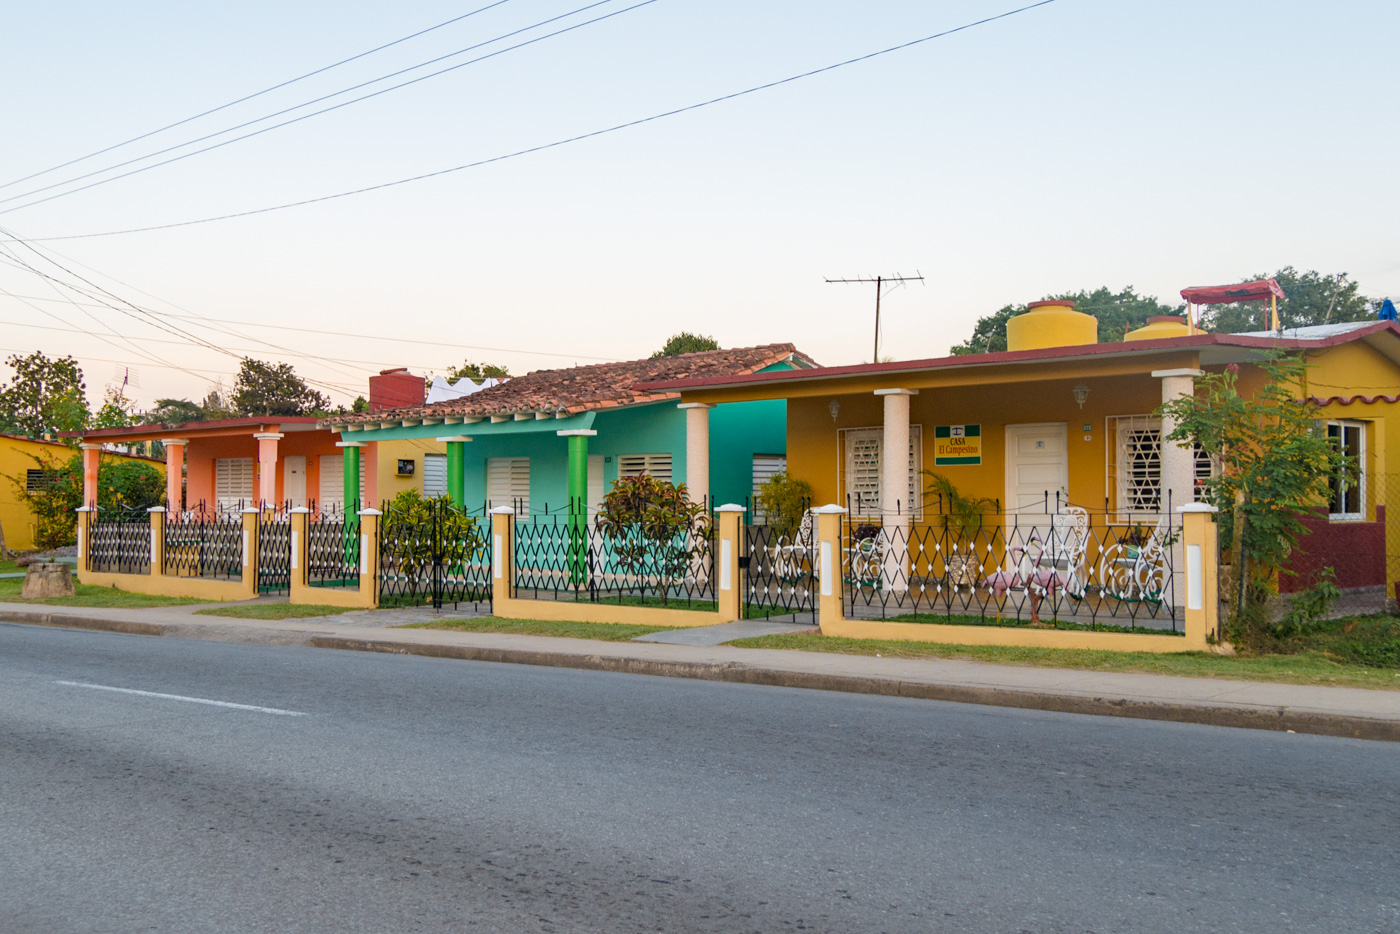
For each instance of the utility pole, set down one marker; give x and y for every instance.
(879, 289)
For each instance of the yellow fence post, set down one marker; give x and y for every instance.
(157, 540)
(84, 537)
(1202, 551)
(729, 595)
(296, 586)
(369, 556)
(502, 552)
(250, 551)
(829, 605)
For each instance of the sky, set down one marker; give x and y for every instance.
(1077, 144)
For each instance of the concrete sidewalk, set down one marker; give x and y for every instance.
(1334, 711)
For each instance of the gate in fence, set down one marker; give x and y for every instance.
(204, 543)
(779, 570)
(274, 551)
(433, 553)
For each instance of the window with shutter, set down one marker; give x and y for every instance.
(331, 492)
(765, 466)
(861, 452)
(508, 482)
(233, 482)
(654, 465)
(434, 475)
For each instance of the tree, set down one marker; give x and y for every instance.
(1117, 312)
(686, 342)
(174, 412)
(477, 371)
(116, 411)
(1275, 467)
(1313, 298)
(44, 396)
(273, 389)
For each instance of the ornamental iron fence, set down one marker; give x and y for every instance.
(434, 553)
(1068, 569)
(119, 541)
(567, 557)
(779, 568)
(274, 550)
(204, 543)
(333, 546)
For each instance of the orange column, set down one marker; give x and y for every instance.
(267, 465)
(92, 454)
(174, 474)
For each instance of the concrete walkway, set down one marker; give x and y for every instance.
(1336, 711)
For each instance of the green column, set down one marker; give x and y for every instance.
(351, 478)
(456, 473)
(578, 504)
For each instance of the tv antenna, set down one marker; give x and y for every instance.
(880, 282)
(129, 376)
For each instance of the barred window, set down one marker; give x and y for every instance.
(38, 481)
(861, 453)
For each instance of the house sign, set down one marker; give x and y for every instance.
(957, 444)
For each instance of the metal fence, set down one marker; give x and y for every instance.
(333, 547)
(434, 553)
(779, 569)
(1068, 569)
(274, 550)
(119, 542)
(204, 543)
(561, 557)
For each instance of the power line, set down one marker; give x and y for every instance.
(316, 113)
(283, 84)
(557, 143)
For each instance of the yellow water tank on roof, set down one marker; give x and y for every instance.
(1163, 326)
(1052, 323)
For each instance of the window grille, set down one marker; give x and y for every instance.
(1348, 499)
(38, 481)
(654, 465)
(508, 482)
(861, 451)
(233, 481)
(1134, 463)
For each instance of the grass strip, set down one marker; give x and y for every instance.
(606, 632)
(274, 611)
(92, 596)
(1306, 667)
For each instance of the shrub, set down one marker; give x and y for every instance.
(653, 527)
(782, 501)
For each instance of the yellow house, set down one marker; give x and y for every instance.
(17, 466)
(1059, 420)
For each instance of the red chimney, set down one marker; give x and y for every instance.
(396, 389)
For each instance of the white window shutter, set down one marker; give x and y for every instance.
(508, 482)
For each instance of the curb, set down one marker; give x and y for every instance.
(1278, 719)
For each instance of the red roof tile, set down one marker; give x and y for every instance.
(602, 385)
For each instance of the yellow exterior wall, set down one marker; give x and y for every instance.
(390, 484)
(15, 460)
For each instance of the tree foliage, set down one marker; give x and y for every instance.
(477, 371)
(1275, 468)
(781, 502)
(44, 395)
(121, 484)
(174, 412)
(1313, 298)
(274, 389)
(1117, 313)
(686, 342)
(653, 528)
(116, 411)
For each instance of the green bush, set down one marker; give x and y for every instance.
(781, 501)
(653, 527)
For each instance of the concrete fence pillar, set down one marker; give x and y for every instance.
(830, 606)
(158, 517)
(369, 556)
(300, 525)
(251, 545)
(502, 554)
(85, 516)
(1201, 546)
(729, 593)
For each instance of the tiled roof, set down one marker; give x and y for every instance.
(599, 386)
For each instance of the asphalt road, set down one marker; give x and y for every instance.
(356, 792)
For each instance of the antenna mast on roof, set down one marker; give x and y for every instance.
(879, 290)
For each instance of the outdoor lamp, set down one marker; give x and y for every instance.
(835, 409)
(1081, 394)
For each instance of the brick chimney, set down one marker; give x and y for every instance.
(396, 389)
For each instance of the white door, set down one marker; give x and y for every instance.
(294, 480)
(1037, 467)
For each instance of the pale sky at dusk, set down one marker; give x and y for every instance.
(1078, 144)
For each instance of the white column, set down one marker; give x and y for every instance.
(697, 449)
(895, 507)
(1178, 483)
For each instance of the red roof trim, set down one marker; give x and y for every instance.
(1132, 348)
(243, 421)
